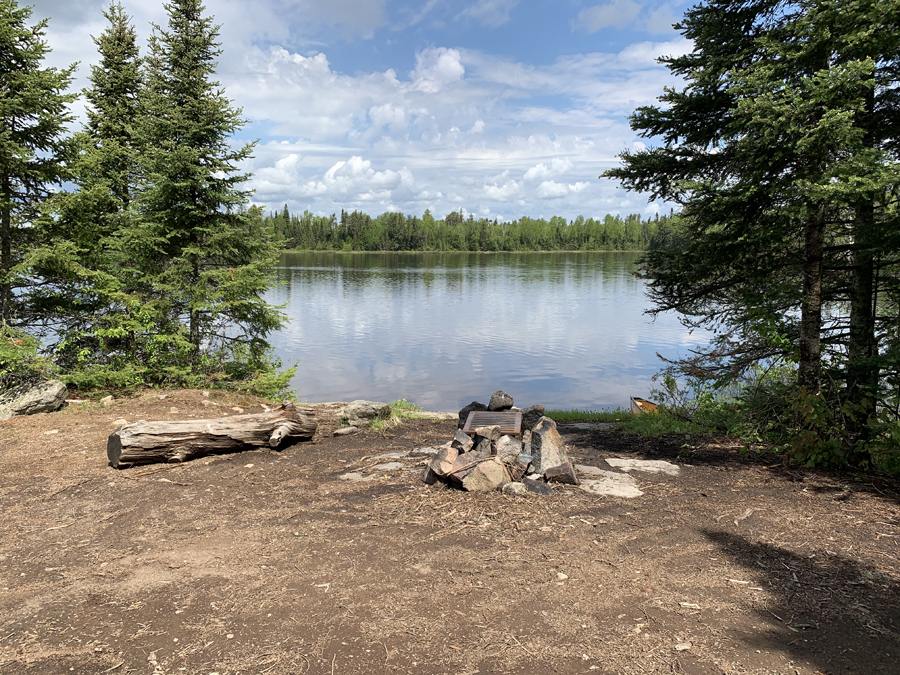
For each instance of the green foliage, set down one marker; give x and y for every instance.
(33, 147)
(20, 362)
(401, 410)
(396, 232)
(663, 423)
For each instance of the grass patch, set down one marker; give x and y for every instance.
(660, 424)
(576, 415)
(400, 410)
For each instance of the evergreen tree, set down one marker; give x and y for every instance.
(92, 287)
(206, 254)
(33, 145)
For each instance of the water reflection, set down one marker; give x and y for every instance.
(442, 329)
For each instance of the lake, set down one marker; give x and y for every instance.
(566, 330)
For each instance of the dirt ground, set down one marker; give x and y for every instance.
(269, 562)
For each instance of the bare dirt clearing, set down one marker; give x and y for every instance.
(271, 562)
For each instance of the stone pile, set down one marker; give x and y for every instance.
(489, 460)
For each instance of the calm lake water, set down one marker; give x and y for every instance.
(443, 329)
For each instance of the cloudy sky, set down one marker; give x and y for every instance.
(502, 108)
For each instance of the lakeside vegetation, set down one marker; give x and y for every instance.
(357, 231)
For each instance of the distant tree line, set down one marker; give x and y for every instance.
(358, 231)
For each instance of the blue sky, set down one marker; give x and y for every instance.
(502, 108)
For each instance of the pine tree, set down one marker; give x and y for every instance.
(33, 146)
(91, 286)
(206, 253)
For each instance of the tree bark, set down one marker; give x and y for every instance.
(179, 441)
(5, 250)
(810, 367)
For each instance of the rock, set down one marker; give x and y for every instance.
(561, 576)
(564, 473)
(356, 477)
(647, 465)
(589, 470)
(508, 449)
(463, 462)
(462, 442)
(612, 484)
(425, 450)
(107, 401)
(429, 477)
(388, 466)
(362, 413)
(515, 489)
(537, 487)
(389, 455)
(474, 406)
(28, 399)
(491, 433)
(345, 431)
(531, 416)
(485, 477)
(500, 400)
(526, 441)
(119, 422)
(443, 460)
(547, 447)
(484, 448)
(520, 468)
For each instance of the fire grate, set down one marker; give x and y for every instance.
(509, 422)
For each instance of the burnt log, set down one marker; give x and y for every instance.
(182, 440)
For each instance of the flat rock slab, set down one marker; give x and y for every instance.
(390, 455)
(389, 466)
(611, 484)
(345, 431)
(646, 465)
(357, 477)
(423, 451)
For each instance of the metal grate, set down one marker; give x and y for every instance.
(509, 422)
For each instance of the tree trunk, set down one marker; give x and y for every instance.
(810, 366)
(5, 250)
(179, 441)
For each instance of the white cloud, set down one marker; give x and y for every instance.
(661, 19)
(557, 168)
(617, 13)
(435, 68)
(491, 13)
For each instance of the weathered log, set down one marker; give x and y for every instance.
(179, 441)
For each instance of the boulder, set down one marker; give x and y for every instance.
(443, 460)
(531, 416)
(508, 449)
(462, 442)
(491, 433)
(474, 406)
(362, 413)
(515, 489)
(428, 476)
(28, 399)
(345, 431)
(500, 400)
(484, 448)
(547, 447)
(526, 441)
(537, 487)
(564, 473)
(464, 462)
(486, 477)
(520, 468)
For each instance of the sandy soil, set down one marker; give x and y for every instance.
(270, 562)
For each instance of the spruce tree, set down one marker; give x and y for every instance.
(33, 145)
(204, 251)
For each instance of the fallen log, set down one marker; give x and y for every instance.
(182, 440)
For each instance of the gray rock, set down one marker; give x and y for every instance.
(484, 448)
(612, 484)
(28, 399)
(646, 465)
(508, 449)
(485, 477)
(345, 431)
(474, 406)
(462, 442)
(491, 433)
(531, 416)
(515, 489)
(526, 441)
(463, 462)
(442, 462)
(564, 473)
(500, 400)
(547, 447)
(429, 477)
(362, 413)
(537, 487)
(388, 466)
(107, 401)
